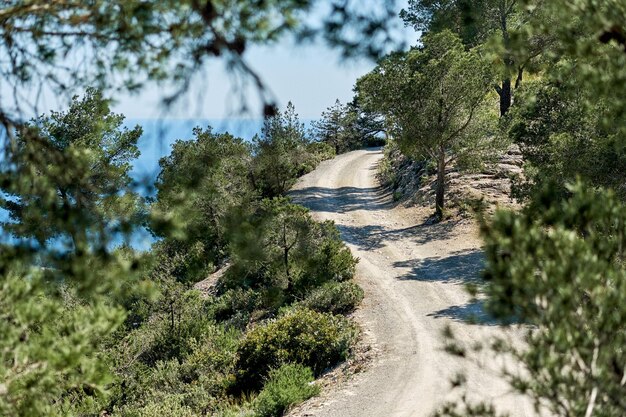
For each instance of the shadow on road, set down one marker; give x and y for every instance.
(372, 237)
(340, 200)
(462, 267)
(470, 313)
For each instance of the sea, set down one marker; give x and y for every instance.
(156, 142)
(159, 135)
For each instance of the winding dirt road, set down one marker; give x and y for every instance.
(413, 275)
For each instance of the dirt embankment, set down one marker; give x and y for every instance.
(413, 183)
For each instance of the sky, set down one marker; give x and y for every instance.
(311, 76)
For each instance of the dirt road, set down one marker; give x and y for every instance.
(413, 276)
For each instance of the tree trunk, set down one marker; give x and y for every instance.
(505, 96)
(441, 184)
(286, 249)
(505, 90)
(520, 77)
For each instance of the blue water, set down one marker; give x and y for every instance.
(155, 143)
(159, 135)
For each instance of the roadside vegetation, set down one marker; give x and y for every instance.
(150, 344)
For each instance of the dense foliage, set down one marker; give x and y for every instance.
(283, 152)
(347, 127)
(559, 266)
(90, 330)
(317, 340)
(82, 174)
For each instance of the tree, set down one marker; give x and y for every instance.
(562, 136)
(477, 21)
(347, 127)
(431, 97)
(280, 153)
(82, 176)
(587, 52)
(281, 250)
(331, 128)
(201, 182)
(122, 44)
(568, 122)
(558, 267)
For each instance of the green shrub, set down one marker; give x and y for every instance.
(321, 151)
(168, 407)
(334, 297)
(316, 340)
(288, 385)
(194, 362)
(236, 305)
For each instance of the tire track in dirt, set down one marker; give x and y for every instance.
(413, 276)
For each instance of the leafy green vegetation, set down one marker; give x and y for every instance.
(347, 127)
(429, 113)
(93, 328)
(287, 385)
(143, 342)
(334, 297)
(317, 340)
(559, 266)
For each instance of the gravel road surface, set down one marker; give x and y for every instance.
(413, 275)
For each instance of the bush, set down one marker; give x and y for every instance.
(321, 151)
(288, 385)
(316, 340)
(168, 407)
(387, 171)
(236, 305)
(199, 378)
(334, 297)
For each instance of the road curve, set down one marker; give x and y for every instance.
(413, 275)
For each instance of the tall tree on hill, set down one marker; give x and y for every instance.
(477, 21)
(280, 153)
(331, 127)
(431, 114)
(200, 183)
